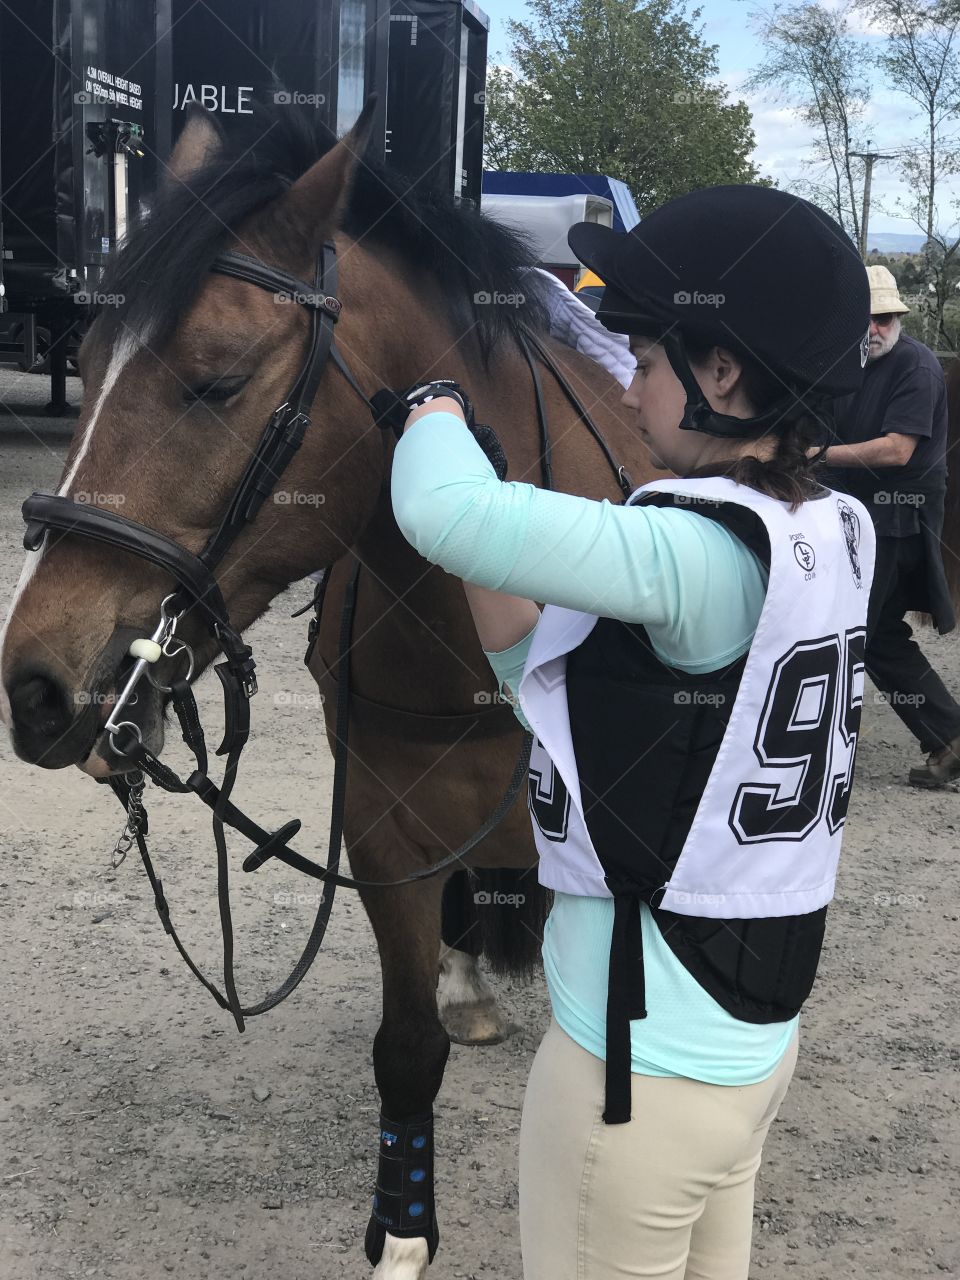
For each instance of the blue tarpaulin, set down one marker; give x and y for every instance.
(504, 183)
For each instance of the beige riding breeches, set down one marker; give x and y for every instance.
(669, 1195)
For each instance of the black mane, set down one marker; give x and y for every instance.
(160, 269)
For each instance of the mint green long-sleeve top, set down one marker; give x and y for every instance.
(698, 591)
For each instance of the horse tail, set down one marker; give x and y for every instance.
(499, 914)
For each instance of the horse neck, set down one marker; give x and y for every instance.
(421, 624)
(429, 635)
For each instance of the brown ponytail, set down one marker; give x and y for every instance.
(789, 474)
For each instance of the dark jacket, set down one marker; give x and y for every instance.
(904, 392)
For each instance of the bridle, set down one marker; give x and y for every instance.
(198, 592)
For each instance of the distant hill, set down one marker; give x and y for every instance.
(895, 242)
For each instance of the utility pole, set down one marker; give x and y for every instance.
(869, 158)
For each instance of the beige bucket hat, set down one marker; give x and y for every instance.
(884, 294)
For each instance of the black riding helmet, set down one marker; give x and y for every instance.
(756, 270)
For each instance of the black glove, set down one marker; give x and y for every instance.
(489, 442)
(392, 408)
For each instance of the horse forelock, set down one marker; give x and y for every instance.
(159, 272)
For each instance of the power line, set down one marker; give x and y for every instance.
(869, 159)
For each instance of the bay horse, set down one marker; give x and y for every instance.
(179, 377)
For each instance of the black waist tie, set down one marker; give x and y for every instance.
(626, 999)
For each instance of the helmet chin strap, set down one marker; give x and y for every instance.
(699, 414)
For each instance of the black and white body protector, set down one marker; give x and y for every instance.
(753, 848)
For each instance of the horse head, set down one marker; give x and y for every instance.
(181, 369)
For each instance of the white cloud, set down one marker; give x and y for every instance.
(784, 142)
(859, 23)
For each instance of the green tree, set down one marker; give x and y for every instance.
(812, 58)
(920, 59)
(622, 88)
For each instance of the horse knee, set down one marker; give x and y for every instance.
(408, 1064)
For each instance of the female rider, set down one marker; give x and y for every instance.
(694, 687)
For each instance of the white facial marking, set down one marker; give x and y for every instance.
(125, 349)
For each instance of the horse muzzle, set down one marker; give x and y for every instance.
(45, 726)
(53, 725)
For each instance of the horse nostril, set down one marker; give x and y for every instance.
(40, 704)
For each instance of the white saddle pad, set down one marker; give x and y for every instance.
(573, 323)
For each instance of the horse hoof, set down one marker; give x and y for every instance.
(403, 1259)
(466, 1004)
(476, 1023)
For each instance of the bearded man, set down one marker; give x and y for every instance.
(891, 455)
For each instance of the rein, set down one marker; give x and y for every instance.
(197, 589)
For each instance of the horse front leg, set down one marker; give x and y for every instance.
(409, 1055)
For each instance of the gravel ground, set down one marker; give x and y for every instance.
(141, 1137)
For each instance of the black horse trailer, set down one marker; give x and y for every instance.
(318, 56)
(426, 59)
(78, 95)
(435, 98)
(93, 94)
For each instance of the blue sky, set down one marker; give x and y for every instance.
(782, 141)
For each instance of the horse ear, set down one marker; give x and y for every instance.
(199, 141)
(316, 201)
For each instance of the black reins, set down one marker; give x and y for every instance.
(197, 589)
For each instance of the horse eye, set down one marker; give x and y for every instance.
(217, 390)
